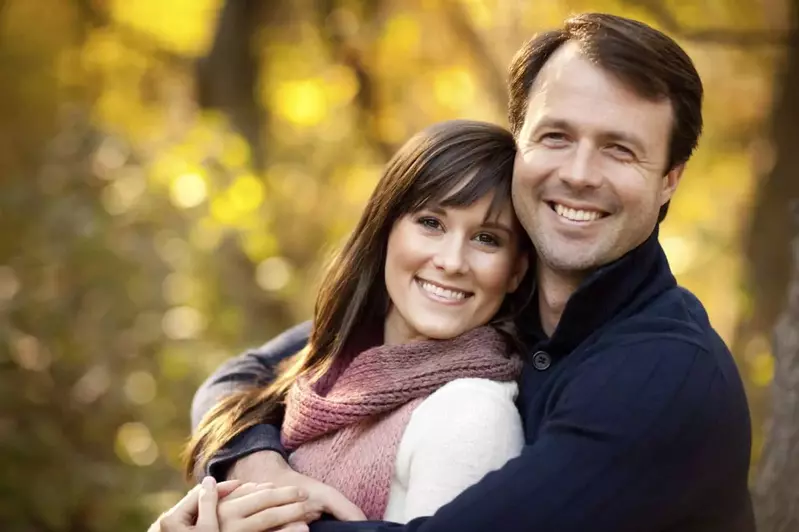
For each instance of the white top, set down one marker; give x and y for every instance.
(465, 429)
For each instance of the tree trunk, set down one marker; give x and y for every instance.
(228, 74)
(774, 271)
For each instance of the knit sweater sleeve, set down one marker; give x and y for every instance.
(640, 437)
(464, 430)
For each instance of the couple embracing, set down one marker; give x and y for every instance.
(500, 344)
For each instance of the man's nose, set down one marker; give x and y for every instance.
(579, 169)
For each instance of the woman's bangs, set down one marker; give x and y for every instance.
(463, 191)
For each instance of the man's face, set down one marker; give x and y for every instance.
(589, 178)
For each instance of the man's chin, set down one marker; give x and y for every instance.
(572, 262)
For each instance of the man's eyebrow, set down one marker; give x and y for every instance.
(557, 123)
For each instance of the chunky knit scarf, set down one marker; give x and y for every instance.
(345, 428)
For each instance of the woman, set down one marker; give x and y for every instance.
(405, 394)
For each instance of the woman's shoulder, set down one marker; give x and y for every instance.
(479, 389)
(468, 397)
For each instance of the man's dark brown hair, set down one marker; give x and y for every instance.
(646, 60)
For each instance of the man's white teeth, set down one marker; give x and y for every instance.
(577, 215)
(445, 293)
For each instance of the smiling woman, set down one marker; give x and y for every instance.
(414, 335)
(449, 269)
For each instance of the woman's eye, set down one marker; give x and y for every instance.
(487, 239)
(429, 222)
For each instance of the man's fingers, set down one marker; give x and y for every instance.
(262, 499)
(340, 507)
(281, 516)
(206, 517)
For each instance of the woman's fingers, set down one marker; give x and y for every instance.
(246, 489)
(207, 500)
(226, 487)
(280, 516)
(260, 499)
(183, 511)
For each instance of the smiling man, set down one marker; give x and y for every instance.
(635, 417)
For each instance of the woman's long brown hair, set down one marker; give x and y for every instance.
(450, 164)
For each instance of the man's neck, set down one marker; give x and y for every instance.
(554, 291)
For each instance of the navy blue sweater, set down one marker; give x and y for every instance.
(634, 413)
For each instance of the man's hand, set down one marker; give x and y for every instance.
(269, 467)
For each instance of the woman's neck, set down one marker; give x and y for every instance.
(396, 330)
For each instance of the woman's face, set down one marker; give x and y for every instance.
(448, 270)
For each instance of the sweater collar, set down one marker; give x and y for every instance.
(614, 290)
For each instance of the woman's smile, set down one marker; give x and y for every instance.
(441, 293)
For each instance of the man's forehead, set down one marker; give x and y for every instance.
(572, 88)
(570, 72)
(557, 67)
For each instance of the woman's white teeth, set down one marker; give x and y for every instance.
(445, 293)
(576, 215)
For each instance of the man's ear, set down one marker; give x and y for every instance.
(522, 264)
(670, 182)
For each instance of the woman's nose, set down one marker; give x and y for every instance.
(449, 255)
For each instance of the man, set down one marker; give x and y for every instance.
(634, 412)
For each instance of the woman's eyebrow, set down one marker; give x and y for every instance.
(497, 225)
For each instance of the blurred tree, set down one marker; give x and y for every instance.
(227, 75)
(772, 241)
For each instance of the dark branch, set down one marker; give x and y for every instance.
(492, 73)
(721, 36)
(228, 74)
(348, 53)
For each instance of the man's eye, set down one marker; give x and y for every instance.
(622, 151)
(553, 138)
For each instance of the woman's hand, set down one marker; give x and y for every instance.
(263, 507)
(196, 512)
(233, 507)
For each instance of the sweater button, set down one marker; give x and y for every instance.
(542, 361)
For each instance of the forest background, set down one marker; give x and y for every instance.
(174, 174)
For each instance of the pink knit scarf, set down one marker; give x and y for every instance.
(348, 437)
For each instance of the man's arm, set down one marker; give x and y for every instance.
(645, 438)
(251, 368)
